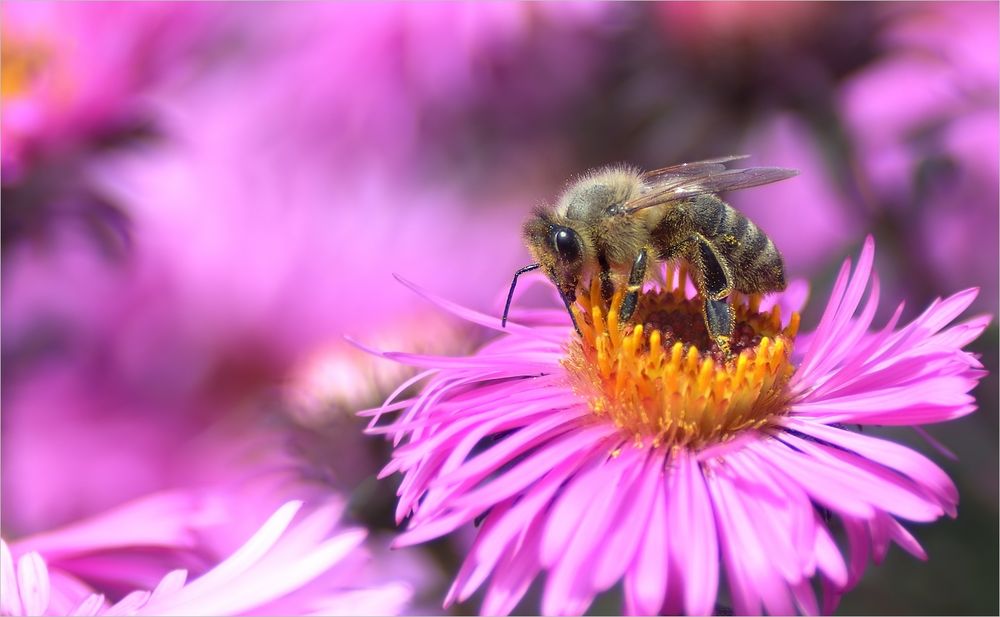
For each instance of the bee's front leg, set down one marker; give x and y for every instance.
(635, 278)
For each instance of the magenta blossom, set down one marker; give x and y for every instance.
(73, 72)
(376, 85)
(823, 222)
(629, 455)
(294, 563)
(923, 120)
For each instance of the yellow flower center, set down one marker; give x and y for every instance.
(660, 376)
(20, 65)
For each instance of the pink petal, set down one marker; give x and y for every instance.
(377, 413)
(502, 528)
(10, 596)
(865, 380)
(828, 557)
(941, 314)
(691, 518)
(93, 604)
(803, 527)
(468, 474)
(863, 359)
(240, 561)
(881, 537)
(568, 584)
(831, 596)
(441, 524)
(277, 576)
(631, 520)
(578, 443)
(67, 593)
(250, 578)
(527, 510)
(171, 583)
(937, 445)
(131, 604)
(826, 322)
(884, 529)
(487, 321)
(805, 599)
(475, 568)
(749, 561)
(962, 334)
(877, 485)
(513, 577)
(569, 510)
(167, 519)
(33, 583)
(906, 540)
(441, 491)
(388, 599)
(824, 485)
(776, 522)
(858, 540)
(646, 578)
(510, 447)
(741, 589)
(904, 460)
(928, 401)
(844, 339)
(844, 299)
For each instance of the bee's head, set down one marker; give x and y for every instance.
(559, 250)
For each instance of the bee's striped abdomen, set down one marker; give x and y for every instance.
(752, 258)
(756, 263)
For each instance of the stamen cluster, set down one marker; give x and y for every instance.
(661, 377)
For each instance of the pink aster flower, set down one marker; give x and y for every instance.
(826, 226)
(923, 123)
(629, 455)
(78, 72)
(295, 562)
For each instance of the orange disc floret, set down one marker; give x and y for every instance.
(661, 377)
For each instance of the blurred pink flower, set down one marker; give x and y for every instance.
(295, 563)
(709, 25)
(392, 86)
(262, 229)
(254, 204)
(72, 72)
(924, 121)
(66, 429)
(806, 216)
(568, 481)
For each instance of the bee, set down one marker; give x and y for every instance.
(616, 220)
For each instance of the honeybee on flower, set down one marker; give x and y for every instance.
(614, 222)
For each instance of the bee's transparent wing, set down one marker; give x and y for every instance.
(697, 168)
(711, 177)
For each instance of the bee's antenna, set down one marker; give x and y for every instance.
(510, 294)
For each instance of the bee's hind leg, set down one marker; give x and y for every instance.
(635, 278)
(715, 283)
(719, 321)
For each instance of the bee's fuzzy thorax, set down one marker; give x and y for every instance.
(588, 197)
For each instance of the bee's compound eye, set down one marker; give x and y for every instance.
(567, 244)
